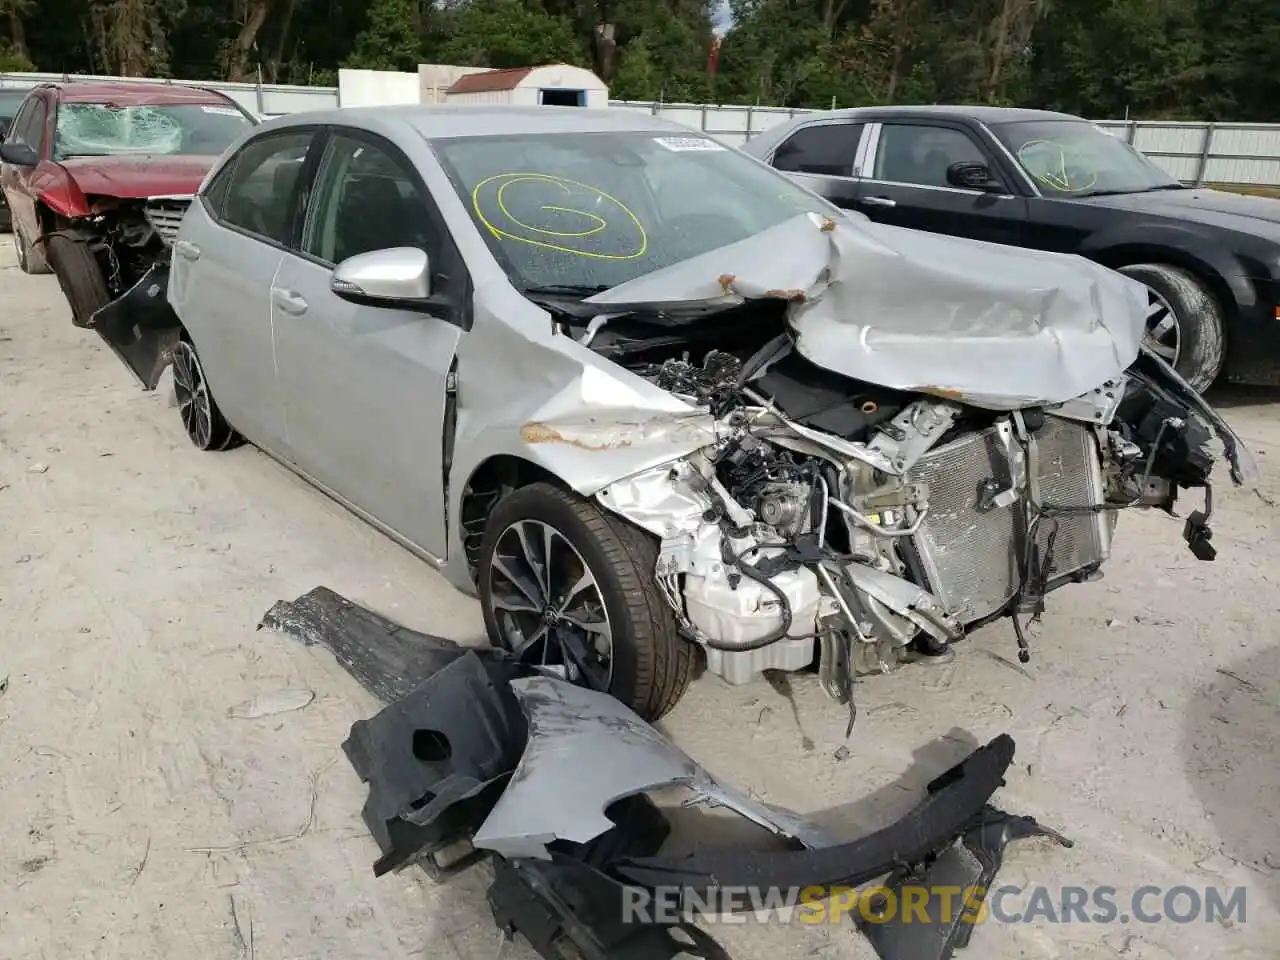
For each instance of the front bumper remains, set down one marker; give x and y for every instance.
(477, 756)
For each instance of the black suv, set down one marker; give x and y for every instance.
(1210, 260)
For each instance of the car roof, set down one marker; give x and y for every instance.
(979, 112)
(124, 93)
(449, 122)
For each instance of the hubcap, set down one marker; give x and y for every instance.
(192, 394)
(1163, 336)
(548, 606)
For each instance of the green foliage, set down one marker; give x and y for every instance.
(11, 61)
(390, 41)
(1186, 59)
(505, 33)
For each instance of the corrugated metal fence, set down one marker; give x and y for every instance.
(1231, 153)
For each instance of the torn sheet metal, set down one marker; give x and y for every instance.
(388, 660)
(437, 760)
(994, 326)
(966, 868)
(597, 744)
(954, 799)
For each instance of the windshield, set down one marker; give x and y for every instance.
(1078, 159)
(101, 130)
(579, 213)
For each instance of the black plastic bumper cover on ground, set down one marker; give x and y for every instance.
(954, 800)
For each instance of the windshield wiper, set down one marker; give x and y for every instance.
(1119, 193)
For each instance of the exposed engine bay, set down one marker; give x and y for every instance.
(128, 238)
(864, 526)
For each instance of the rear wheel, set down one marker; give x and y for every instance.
(80, 276)
(1184, 321)
(30, 260)
(203, 421)
(566, 586)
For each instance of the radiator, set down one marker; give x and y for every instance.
(970, 555)
(165, 215)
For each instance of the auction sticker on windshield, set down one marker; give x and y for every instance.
(678, 144)
(222, 111)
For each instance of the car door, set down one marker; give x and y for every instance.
(366, 388)
(905, 183)
(228, 251)
(28, 130)
(822, 156)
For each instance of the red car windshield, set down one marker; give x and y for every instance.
(104, 130)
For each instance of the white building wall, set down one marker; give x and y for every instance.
(376, 88)
(491, 97)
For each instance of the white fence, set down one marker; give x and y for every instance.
(1234, 153)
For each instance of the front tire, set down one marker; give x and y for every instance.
(1184, 321)
(80, 276)
(565, 584)
(30, 260)
(204, 423)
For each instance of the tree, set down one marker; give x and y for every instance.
(390, 41)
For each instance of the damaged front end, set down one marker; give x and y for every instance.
(113, 266)
(894, 467)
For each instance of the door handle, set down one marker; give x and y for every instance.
(289, 302)
(187, 250)
(879, 202)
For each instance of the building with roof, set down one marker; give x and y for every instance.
(559, 85)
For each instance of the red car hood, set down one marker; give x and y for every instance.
(135, 177)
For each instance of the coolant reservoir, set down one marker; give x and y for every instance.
(737, 617)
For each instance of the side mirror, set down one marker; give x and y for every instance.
(18, 154)
(973, 176)
(396, 277)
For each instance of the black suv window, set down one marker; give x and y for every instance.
(255, 191)
(920, 154)
(827, 148)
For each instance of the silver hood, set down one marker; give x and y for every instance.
(994, 326)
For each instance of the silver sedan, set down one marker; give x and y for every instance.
(655, 403)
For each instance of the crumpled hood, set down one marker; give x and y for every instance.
(994, 326)
(134, 177)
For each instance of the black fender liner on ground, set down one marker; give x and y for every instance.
(954, 800)
(969, 866)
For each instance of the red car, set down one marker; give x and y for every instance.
(98, 176)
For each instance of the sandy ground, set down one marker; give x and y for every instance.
(144, 817)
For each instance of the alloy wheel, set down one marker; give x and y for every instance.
(1163, 335)
(20, 247)
(548, 605)
(194, 404)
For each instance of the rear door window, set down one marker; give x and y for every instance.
(826, 148)
(258, 191)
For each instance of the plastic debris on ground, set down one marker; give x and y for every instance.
(476, 756)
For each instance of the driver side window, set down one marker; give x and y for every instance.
(920, 154)
(366, 199)
(29, 125)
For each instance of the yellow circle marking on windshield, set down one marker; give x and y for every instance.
(1055, 175)
(557, 238)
